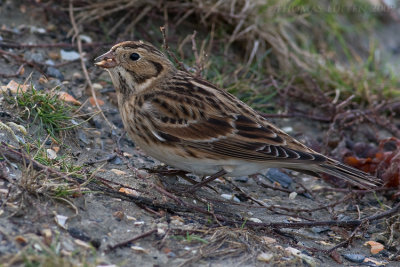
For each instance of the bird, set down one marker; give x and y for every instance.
(191, 124)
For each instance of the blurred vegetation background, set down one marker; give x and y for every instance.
(321, 52)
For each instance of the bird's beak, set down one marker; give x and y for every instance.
(106, 60)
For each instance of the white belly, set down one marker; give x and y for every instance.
(201, 167)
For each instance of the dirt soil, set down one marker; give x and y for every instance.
(216, 227)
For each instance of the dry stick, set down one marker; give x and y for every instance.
(348, 240)
(79, 44)
(125, 243)
(166, 47)
(168, 194)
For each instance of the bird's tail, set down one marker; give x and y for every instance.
(350, 174)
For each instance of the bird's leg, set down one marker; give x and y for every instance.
(206, 181)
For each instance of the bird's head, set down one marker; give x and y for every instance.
(135, 66)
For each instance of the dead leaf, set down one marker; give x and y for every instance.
(118, 172)
(68, 98)
(54, 55)
(166, 250)
(177, 218)
(265, 256)
(93, 103)
(43, 80)
(368, 261)
(139, 249)
(119, 215)
(376, 247)
(336, 257)
(21, 240)
(47, 236)
(268, 240)
(128, 191)
(14, 87)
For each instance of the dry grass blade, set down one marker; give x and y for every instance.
(84, 69)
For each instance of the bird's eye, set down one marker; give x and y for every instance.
(134, 56)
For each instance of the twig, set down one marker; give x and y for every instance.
(166, 47)
(168, 194)
(84, 69)
(348, 240)
(125, 243)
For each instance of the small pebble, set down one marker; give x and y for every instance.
(288, 129)
(292, 195)
(275, 175)
(319, 230)
(97, 86)
(78, 234)
(256, 220)
(51, 154)
(82, 137)
(265, 257)
(77, 75)
(54, 55)
(36, 57)
(358, 258)
(171, 254)
(56, 73)
(69, 55)
(139, 249)
(34, 29)
(242, 179)
(230, 197)
(297, 253)
(49, 62)
(86, 38)
(116, 161)
(268, 240)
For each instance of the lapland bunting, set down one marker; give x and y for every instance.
(191, 124)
